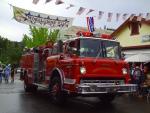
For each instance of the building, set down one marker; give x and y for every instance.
(134, 36)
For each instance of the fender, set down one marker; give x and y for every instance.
(61, 75)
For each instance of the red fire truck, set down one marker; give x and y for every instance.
(85, 66)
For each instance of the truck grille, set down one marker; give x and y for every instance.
(85, 81)
(104, 85)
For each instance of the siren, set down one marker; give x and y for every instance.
(84, 33)
(105, 36)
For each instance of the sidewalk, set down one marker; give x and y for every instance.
(16, 87)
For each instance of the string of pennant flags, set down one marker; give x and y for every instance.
(100, 15)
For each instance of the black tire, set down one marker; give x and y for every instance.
(107, 98)
(56, 92)
(29, 87)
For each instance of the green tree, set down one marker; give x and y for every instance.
(39, 36)
(10, 51)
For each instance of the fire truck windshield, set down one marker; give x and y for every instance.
(98, 48)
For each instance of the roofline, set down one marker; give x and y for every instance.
(119, 28)
(136, 47)
(125, 23)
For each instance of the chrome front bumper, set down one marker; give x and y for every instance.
(96, 88)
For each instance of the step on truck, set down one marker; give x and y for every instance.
(80, 66)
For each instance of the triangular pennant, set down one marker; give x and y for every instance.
(81, 10)
(71, 5)
(35, 1)
(131, 17)
(100, 14)
(47, 1)
(139, 18)
(109, 17)
(58, 2)
(117, 16)
(90, 10)
(124, 16)
(148, 16)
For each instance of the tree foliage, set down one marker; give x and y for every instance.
(10, 51)
(39, 36)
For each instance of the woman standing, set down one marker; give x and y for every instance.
(7, 71)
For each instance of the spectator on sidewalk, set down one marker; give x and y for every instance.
(137, 77)
(12, 73)
(7, 72)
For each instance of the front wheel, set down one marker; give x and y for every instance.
(56, 92)
(107, 98)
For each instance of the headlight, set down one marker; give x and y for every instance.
(124, 71)
(82, 70)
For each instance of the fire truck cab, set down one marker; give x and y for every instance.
(84, 65)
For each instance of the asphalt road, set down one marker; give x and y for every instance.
(13, 99)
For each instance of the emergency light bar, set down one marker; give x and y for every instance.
(84, 33)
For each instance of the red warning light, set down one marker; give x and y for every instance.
(83, 33)
(105, 36)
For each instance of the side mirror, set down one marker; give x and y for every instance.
(72, 50)
(122, 56)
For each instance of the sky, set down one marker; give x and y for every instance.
(14, 30)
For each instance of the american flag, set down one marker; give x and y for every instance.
(90, 24)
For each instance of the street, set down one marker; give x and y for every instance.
(13, 99)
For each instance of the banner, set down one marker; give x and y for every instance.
(90, 24)
(41, 20)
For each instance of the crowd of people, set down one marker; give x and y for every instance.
(140, 75)
(6, 72)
